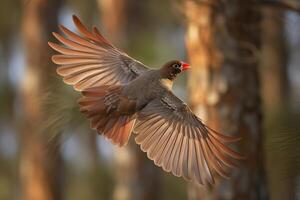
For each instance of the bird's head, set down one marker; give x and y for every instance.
(172, 68)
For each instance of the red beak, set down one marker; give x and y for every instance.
(185, 66)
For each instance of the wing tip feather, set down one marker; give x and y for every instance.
(58, 71)
(54, 59)
(52, 45)
(65, 30)
(54, 34)
(57, 36)
(76, 20)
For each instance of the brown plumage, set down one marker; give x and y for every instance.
(121, 95)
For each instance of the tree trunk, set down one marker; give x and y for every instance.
(39, 169)
(114, 19)
(136, 176)
(274, 63)
(273, 69)
(222, 41)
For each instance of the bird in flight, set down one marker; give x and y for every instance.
(121, 95)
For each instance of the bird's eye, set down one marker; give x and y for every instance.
(177, 66)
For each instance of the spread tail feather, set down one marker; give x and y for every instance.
(101, 105)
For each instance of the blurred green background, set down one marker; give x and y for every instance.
(46, 148)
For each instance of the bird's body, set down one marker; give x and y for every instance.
(121, 95)
(145, 88)
(148, 86)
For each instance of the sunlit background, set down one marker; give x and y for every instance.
(47, 150)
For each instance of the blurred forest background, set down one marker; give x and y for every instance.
(245, 79)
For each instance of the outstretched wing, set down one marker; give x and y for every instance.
(180, 143)
(90, 60)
